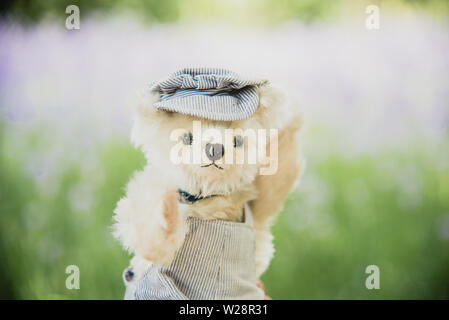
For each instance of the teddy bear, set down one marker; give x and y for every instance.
(222, 154)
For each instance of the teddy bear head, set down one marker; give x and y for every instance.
(209, 131)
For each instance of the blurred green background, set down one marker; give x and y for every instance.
(376, 187)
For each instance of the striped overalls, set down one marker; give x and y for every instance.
(216, 261)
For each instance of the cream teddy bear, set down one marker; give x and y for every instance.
(222, 156)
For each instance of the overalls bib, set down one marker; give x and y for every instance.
(216, 261)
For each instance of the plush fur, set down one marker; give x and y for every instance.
(151, 223)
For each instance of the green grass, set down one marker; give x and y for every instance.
(371, 221)
(385, 210)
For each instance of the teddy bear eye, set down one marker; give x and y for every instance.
(238, 141)
(187, 138)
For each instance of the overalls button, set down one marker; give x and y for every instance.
(129, 275)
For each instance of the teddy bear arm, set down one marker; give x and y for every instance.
(148, 221)
(264, 249)
(273, 189)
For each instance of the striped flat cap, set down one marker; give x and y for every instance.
(210, 93)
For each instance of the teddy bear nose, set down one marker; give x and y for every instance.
(214, 151)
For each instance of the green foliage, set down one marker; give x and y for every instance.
(346, 215)
(367, 218)
(42, 234)
(232, 12)
(32, 11)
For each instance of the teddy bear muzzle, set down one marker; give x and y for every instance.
(215, 151)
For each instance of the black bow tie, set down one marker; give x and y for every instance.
(185, 197)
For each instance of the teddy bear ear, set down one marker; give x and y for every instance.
(145, 118)
(144, 105)
(276, 108)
